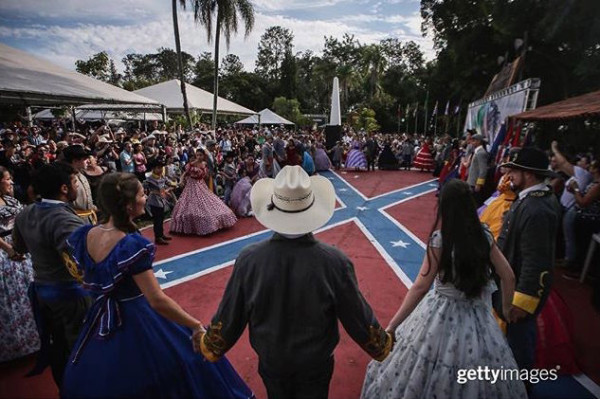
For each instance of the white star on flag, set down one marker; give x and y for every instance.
(407, 193)
(331, 178)
(362, 208)
(161, 274)
(399, 243)
(433, 185)
(343, 189)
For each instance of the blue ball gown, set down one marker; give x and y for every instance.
(126, 349)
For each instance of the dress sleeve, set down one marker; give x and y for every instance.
(135, 254)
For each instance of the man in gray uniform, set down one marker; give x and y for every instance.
(291, 290)
(59, 302)
(478, 168)
(527, 240)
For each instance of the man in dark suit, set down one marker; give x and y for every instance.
(527, 240)
(291, 290)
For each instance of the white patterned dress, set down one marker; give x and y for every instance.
(18, 333)
(445, 333)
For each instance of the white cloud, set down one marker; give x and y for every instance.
(65, 44)
(78, 9)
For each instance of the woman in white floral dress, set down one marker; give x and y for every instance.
(18, 333)
(451, 328)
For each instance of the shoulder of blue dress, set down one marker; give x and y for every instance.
(76, 243)
(133, 247)
(77, 237)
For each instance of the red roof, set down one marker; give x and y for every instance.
(587, 105)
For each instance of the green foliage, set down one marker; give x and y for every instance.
(275, 45)
(225, 12)
(290, 110)
(561, 44)
(61, 112)
(143, 70)
(97, 66)
(364, 119)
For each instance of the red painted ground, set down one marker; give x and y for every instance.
(201, 298)
(417, 215)
(371, 184)
(378, 283)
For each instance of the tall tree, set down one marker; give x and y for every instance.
(186, 108)
(225, 13)
(274, 46)
(374, 65)
(203, 71)
(97, 66)
(115, 77)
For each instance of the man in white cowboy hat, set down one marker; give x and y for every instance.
(291, 290)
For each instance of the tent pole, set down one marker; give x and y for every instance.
(29, 117)
(73, 118)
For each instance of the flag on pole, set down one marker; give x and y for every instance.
(447, 107)
(407, 110)
(435, 109)
(457, 109)
(415, 110)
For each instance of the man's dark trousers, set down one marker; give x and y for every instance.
(63, 319)
(521, 338)
(312, 383)
(158, 218)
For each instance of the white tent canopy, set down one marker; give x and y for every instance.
(30, 80)
(169, 94)
(267, 117)
(83, 114)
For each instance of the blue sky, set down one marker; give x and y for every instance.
(63, 31)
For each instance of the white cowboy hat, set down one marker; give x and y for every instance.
(149, 137)
(104, 139)
(293, 202)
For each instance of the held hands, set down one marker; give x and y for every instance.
(515, 314)
(14, 255)
(197, 336)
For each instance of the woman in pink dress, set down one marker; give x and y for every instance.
(199, 211)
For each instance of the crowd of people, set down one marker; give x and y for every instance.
(69, 203)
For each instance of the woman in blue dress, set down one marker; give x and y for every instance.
(136, 340)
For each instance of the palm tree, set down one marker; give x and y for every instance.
(347, 75)
(374, 65)
(186, 108)
(226, 21)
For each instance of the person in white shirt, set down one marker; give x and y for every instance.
(579, 173)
